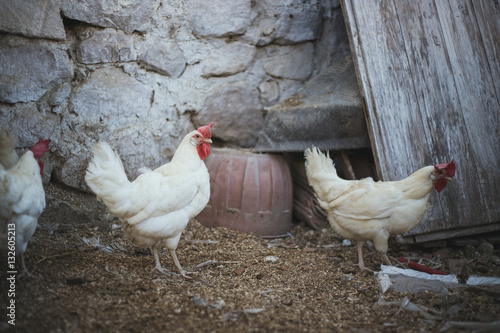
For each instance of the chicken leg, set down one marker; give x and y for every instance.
(158, 266)
(361, 264)
(23, 266)
(176, 262)
(178, 265)
(386, 259)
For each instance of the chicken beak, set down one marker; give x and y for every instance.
(449, 179)
(207, 140)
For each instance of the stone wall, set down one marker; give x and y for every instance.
(142, 73)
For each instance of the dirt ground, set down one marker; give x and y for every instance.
(305, 282)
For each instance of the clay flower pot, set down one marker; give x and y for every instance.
(249, 192)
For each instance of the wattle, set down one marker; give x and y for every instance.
(40, 164)
(204, 150)
(440, 184)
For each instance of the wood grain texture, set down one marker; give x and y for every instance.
(429, 78)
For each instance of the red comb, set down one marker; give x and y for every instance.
(449, 167)
(40, 148)
(205, 131)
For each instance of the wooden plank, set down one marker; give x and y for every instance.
(429, 79)
(391, 101)
(476, 93)
(368, 37)
(485, 136)
(370, 43)
(487, 14)
(431, 52)
(438, 235)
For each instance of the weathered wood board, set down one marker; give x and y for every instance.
(429, 75)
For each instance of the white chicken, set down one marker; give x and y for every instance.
(156, 207)
(367, 210)
(22, 197)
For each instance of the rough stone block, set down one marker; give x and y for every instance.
(32, 18)
(229, 60)
(27, 72)
(104, 46)
(236, 110)
(219, 18)
(127, 15)
(163, 57)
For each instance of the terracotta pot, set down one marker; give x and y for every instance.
(249, 192)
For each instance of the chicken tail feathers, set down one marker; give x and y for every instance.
(322, 176)
(318, 164)
(107, 179)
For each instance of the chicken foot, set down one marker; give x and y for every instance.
(23, 266)
(176, 262)
(157, 260)
(361, 264)
(386, 259)
(179, 267)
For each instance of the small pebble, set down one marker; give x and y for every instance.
(76, 281)
(345, 278)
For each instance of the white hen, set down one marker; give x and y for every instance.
(157, 206)
(367, 210)
(22, 198)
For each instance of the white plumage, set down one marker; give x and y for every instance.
(368, 210)
(157, 206)
(22, 197)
